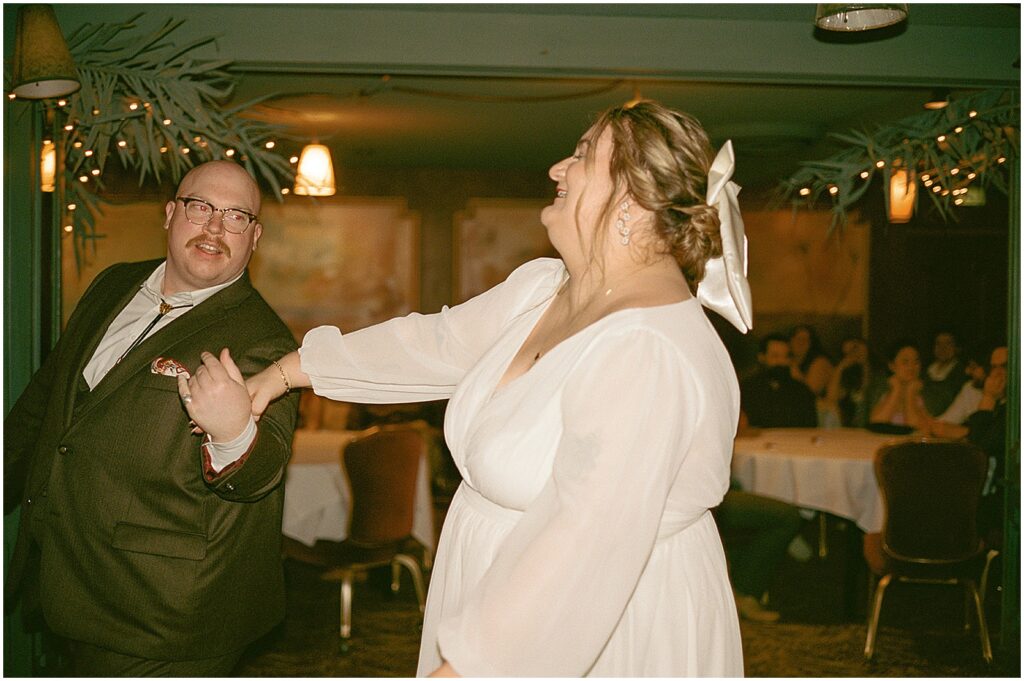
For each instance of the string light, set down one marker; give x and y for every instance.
(69, 127)
(833, 190)
(972, 114)
(958, 202)
(926, 176)
(88, 153)
(95, 171)
(72, 206)
(936, 189)
(954, 171)
(293, 160)
(864, 175)
(928, 183)
(1001, 159)
(95, 112)
(941, 138)
(185, 150)
(804, 191)
(68, 228)
(167, 121)
(270, 144)
(958, 129)
(62, 102)
(880, 164)
(11, 95)
(229, 153)
(83, 178)
(133, 106)
(122, 144)
(163, 150)
(971, 175)
(285, 190)
(77, 144)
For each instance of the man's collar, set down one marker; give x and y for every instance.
(154, 284)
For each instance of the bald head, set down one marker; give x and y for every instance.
(206, 253)
(214, 176)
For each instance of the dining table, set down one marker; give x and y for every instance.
(318, 498)
(825, 469)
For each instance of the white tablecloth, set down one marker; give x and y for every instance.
(829, 470)
(317, 498)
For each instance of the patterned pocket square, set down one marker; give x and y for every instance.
(167, 366)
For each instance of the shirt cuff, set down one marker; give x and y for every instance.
(223, 454)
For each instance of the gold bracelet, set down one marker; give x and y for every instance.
(284, 377)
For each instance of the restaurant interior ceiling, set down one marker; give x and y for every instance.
(512, 86)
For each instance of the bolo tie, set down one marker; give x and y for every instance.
(165, 307)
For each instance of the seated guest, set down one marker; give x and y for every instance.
(944, 376)
(966, 401)
(846, 395)
(756, 533)
(901, 403)
(986, 402)
(772, 398)
(757, 530)
(809, 363)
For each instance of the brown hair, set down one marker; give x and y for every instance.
(661, 158)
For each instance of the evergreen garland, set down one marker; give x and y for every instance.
(145, 100)
(971, 141)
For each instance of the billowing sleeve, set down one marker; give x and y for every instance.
(562, 579)
(422, 357)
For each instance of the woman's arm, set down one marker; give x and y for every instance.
(889, 403)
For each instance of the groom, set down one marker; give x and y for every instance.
(153, 550)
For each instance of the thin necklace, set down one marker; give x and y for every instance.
(540, 354)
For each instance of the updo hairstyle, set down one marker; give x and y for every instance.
(661, 158)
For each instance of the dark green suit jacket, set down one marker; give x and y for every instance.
(128, 540)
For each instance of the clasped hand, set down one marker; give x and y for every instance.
(215, 397)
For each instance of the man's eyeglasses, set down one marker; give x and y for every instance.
(199, 212)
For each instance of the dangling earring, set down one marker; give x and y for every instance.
(620, 223)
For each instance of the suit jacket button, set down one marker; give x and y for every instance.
(229, 487)
(28, 502)
(63, 449)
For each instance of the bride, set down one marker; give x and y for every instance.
(592, 412)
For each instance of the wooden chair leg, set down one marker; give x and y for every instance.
(986, 645)
(876, 611)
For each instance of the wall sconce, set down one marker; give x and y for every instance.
(48, 167)
(902, 194)
(858, 16)
(43, 66)
(316, 172)
(939, 99)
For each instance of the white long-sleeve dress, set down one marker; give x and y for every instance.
(580, 541)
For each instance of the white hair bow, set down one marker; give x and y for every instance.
(724, 288)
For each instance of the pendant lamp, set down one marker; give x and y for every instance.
(315, 176)
(43, 67)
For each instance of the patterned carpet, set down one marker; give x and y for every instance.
(821, 633)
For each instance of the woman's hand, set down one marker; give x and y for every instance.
(445, 670)
(216, 398)
(264, 388)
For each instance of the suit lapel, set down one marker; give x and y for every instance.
(164, 341)
(94, 322)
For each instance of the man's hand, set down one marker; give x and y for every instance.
(215, 397)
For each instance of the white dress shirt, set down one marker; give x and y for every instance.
(131, 322)
(963, 405)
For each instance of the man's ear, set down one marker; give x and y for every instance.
(169, 211)
(257, 232)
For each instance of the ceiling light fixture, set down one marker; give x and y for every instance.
(316, 172)
(856, 16)
(43, 66)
